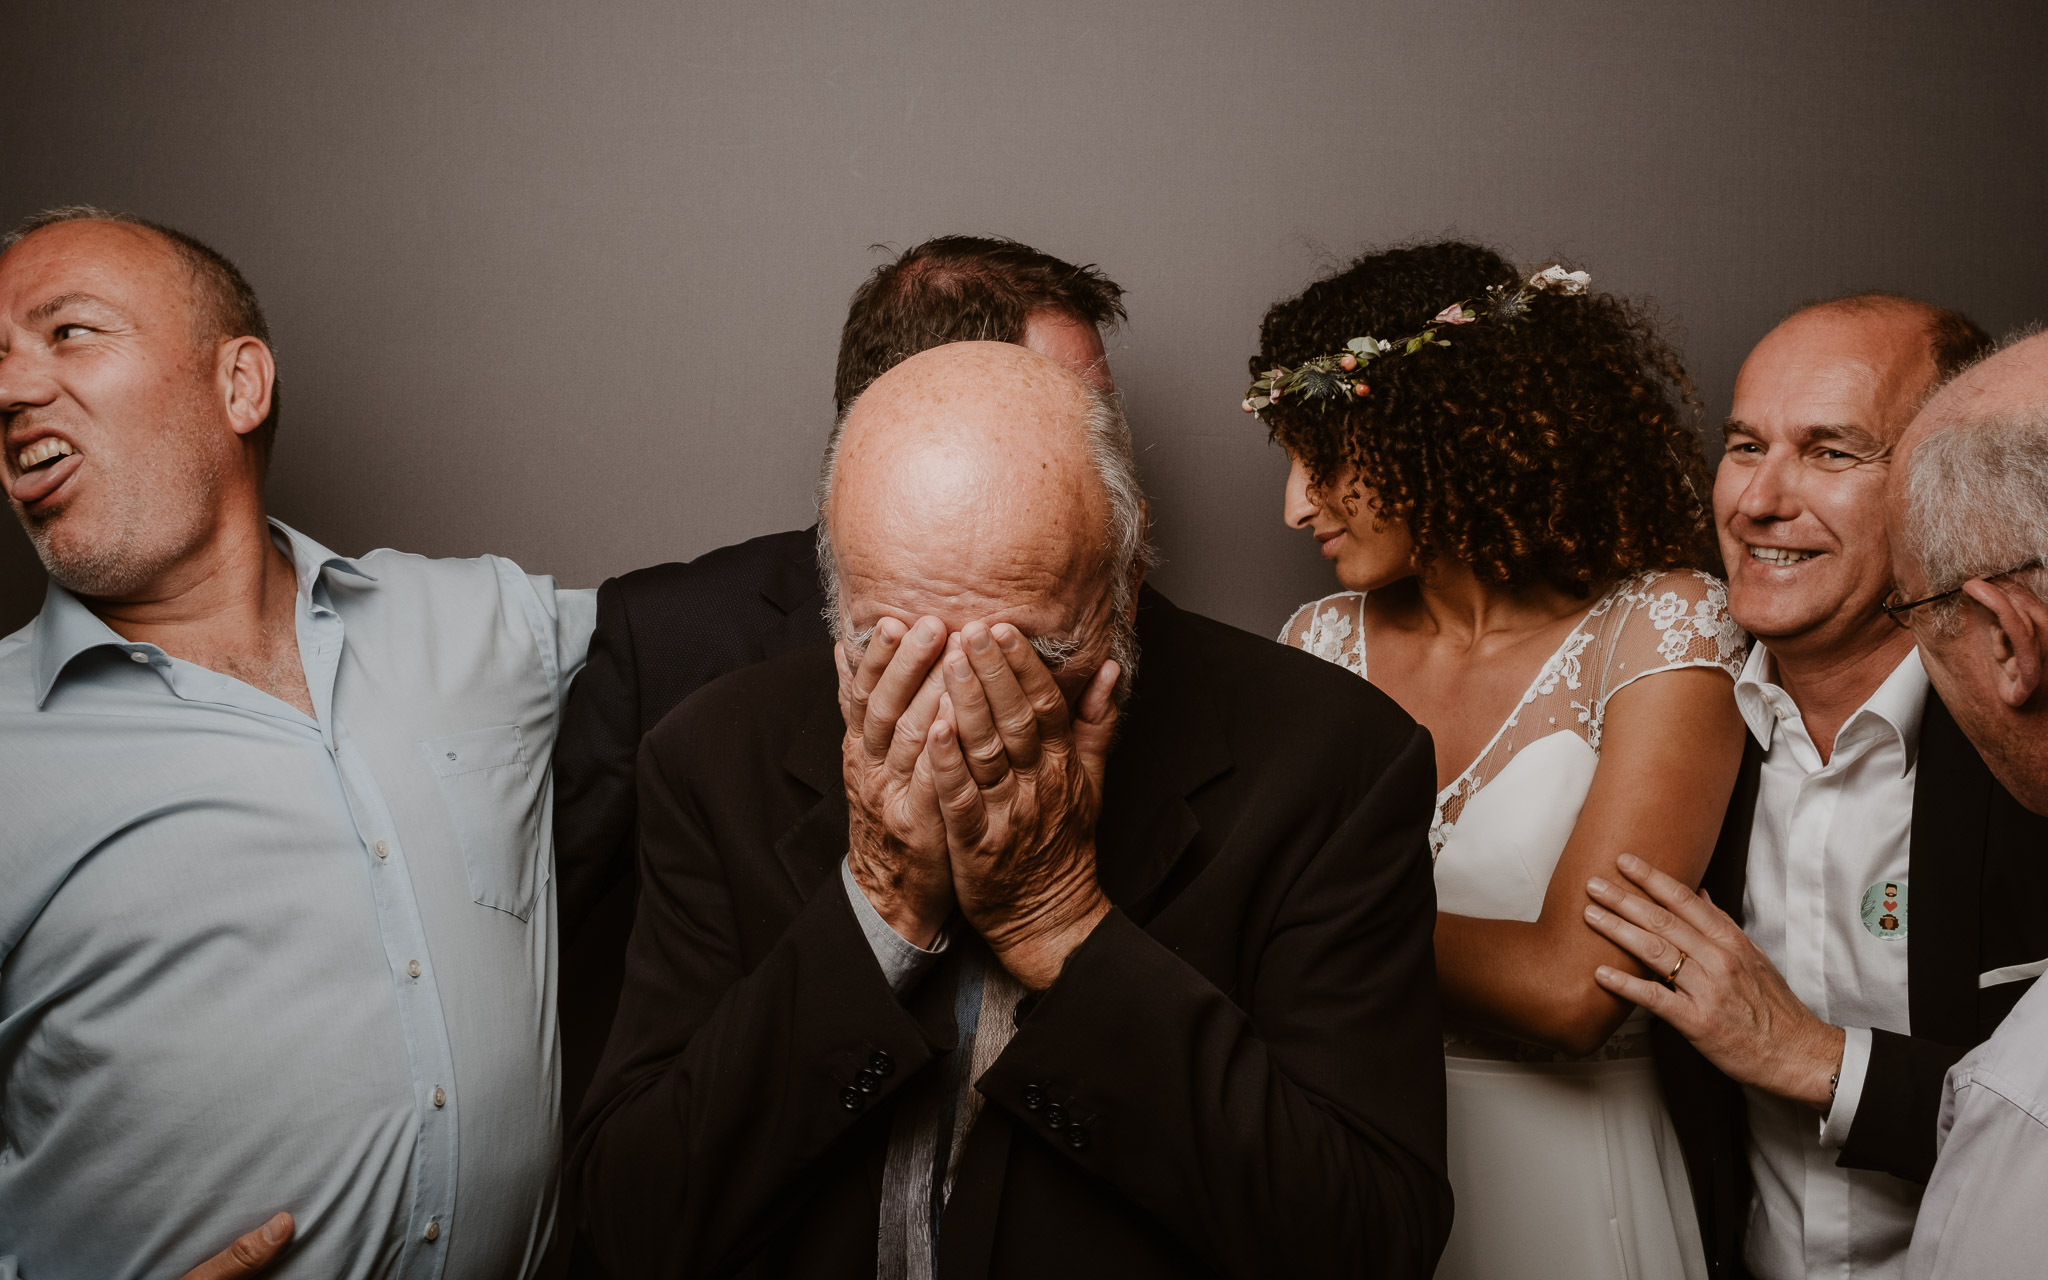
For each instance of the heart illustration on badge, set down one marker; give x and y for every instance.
(1884, 910)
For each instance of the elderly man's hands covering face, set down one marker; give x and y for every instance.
(889, 697)
(968, 780)
(1019, 786)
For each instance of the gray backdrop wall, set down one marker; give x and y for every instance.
(564, 281)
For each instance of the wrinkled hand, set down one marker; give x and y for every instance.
(1019, 785)
(248, 1256)
(1728, 999)
(896, 841)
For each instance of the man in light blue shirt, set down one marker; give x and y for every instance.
(276, 913)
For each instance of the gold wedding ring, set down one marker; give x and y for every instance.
(1671, 978)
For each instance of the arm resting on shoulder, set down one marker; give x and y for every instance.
(1669, 751)
(1303, 1137)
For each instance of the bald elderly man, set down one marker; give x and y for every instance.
(1969, 517)
(978, 945)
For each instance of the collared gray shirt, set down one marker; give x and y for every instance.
(1985, 1214)
(253, 960)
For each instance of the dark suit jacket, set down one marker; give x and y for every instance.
(662, 633)
(1980, 902)
(1249, 1043)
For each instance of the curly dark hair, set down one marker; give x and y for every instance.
(1555, 448)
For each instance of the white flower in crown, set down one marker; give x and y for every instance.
(1558, 280)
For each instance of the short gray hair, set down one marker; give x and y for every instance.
(1126, 548)
(1976, 504)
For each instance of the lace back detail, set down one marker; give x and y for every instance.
(1657, 621)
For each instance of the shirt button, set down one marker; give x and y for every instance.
(433, 1232)
(383, 850)
(881, 1063)
(440, 1097)
(413, 968)
(1034, 1097)
(868, 1082)
(137, 655)
(1055, 1116)
(850, 1098)
(1077, 1138)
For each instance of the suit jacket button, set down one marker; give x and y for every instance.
(1056, 1116)
(1034, 1097)
(1077, 1138)
(868, 1082)
(881, 1063)
(851, 1098)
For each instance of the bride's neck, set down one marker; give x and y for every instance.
(1454, 603)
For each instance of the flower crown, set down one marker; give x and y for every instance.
(1340, 376)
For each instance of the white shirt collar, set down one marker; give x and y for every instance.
(1896, 706)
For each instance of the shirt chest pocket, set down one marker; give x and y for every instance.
(494, 796)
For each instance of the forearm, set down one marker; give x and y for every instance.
(1519, 978)
(679, 1121)
(1184, 1108)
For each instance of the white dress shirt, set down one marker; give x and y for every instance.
(1985, 1215)
(1824, 837)
(253, 959)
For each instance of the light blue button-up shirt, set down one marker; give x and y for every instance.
(251, 960)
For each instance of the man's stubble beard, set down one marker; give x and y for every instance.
(149, 521)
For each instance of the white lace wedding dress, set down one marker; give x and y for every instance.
(1562, 1167)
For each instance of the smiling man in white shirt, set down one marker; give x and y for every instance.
(1867, 850)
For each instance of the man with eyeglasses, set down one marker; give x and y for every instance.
(1887, 884)
(1969, 533)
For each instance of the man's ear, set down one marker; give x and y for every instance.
(247, 374)
(2018, 628)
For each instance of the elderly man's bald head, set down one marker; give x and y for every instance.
(981, 480)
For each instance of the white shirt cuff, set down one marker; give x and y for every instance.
(903, 962)
(1841, 1117)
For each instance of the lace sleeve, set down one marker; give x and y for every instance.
(1332, 629)
(1664, 622)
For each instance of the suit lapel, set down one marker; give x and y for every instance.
(811, 849)
(1171, 742)
(1727, 874)
(1945, 874)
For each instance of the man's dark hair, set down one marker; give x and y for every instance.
(226, 305)
(961, 289)
(1953, 339)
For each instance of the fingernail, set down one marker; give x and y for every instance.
(1604, 973)
(1595, 913)
(1630, 862)
(1598, 884)
(1006, 635)
(978, 639)
(929, 628)
(279, 1227)
(958, 668)
(890, 628)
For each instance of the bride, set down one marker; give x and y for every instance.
(1498, 470)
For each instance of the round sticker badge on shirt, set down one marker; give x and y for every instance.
(1884, 909)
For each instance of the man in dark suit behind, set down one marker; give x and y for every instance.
(1889, 886)
(934, 973)
(665, 631)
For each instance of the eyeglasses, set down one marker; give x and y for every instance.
(1896, 610)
